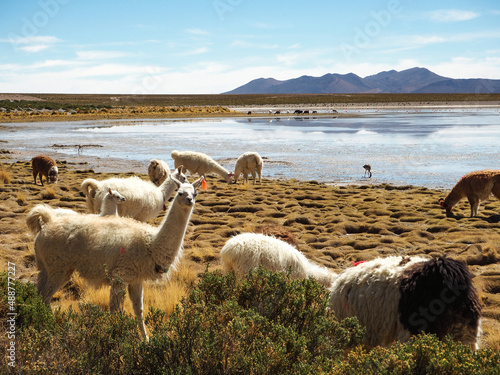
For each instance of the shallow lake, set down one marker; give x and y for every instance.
(431, 148)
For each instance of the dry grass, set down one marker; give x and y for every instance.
(332, 225)
(5, 176)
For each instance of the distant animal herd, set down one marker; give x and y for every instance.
(394, 297)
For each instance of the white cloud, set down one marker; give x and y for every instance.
(100, 55)
(197, 32)
(194, 52)
(32, 44)
(452, 15)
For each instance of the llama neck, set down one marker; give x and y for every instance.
(167, 188)
(323, 275)
(220, 170)
(167, 244)
(455, 195)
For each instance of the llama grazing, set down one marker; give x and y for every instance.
(248, 163)
(101, 249)
(199, 163)
(158, 171)
(397, 297)
(144, 200)
(475, 186)
(44, 165)
(245, 251)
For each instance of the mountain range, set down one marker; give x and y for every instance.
(414, 80)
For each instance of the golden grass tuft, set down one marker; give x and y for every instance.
(5, 177)
(49, 193)
(21, 198)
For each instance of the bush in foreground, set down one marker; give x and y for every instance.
(265, 323)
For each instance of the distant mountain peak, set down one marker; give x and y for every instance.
(413, 80)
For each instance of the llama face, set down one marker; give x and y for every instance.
(186, 195)
(53, 174)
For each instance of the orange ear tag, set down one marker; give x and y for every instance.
(204, 184)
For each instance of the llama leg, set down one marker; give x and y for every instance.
(136, 295)
(253, 177)
(116, 296)
(34, 176)
(48, 284)
(474, 205)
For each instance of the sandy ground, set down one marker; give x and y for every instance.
(333, 225)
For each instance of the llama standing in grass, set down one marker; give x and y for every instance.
(101, 249)
(158, 171)
(245, 251)
(249, 163)
(397, 297)
(144, 200)
(476, 187)
(44, 165)
(199, 163)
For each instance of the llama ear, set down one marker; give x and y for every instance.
(441, 202)
(180, 169)
(109, 190)
(200, 182)
(177, 182)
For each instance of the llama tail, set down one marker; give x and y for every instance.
(89, 187)
(438, 296)
(174, 154)
(39, 216)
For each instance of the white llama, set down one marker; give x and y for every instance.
(158, 171)
(108, 249)
(249, 163)
(397, 297)
(245, 251)
(144, 200)
(199, 163)
(110, 203)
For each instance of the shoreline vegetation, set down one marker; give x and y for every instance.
(78, 107)
(334, 226)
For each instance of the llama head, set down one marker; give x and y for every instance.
(53, 174)
(116, 196)
(186, 195)
(178, 175)
(445, 204)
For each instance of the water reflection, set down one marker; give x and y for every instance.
(421, 148)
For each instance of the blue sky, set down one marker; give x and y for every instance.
(212, 46)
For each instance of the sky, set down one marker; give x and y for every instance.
(213, 46)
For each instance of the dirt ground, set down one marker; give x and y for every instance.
(333, 225)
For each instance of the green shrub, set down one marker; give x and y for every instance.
(423, 355)
(265, 323)
(29, 307)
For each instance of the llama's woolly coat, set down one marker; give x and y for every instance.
(105, 248)
(158, 171)
(246, 251)
(248, 163)
(476, 187)
(199, 163)
(144, 200)
(373, 293)
(44, 165)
